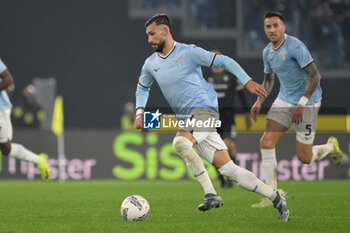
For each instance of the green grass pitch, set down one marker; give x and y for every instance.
(94, 206)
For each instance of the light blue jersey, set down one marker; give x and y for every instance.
(4, 99)
(288, 62)
(180, 78)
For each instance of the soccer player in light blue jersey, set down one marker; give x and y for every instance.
(298, 101)
(177, 69)
(6, 146)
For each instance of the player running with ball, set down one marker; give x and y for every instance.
(177, 69)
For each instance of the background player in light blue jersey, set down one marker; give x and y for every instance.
(297, 103)
(6, 146)
(177, 69)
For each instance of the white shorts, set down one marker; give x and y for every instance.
(200, 133)
(281, 111)
(207, 147)
(208, 140)
(5, 126)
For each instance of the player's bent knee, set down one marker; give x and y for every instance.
(267, 143)
(304, 152)
(5, 148)
(304, 158)
(304, 161)
(181, 143)
(230, 143)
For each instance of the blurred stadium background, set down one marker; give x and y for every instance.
(91, 52)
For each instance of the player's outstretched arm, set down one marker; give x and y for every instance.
(234, 68)
(222, 61)
(314, 79)
(139, 118)
(142, 94)
(256, 89)
(269, 81)
(254, 112)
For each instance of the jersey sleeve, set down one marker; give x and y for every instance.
(231, 66)
(239, 85)
(146, 79)
(143, 87)
(301, 54)
(267, 67)
(201, 56)
(2, 66)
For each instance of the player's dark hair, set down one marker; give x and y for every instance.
(159, 19)
(270, 14)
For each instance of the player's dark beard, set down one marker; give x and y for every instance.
(160, 47)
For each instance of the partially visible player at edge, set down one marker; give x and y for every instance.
(6, 146)
(177, 69)
(298, 101)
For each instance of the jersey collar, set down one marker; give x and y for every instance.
(285, 37)
(164, 57)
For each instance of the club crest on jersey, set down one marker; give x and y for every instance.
(178, 61)
(151, 119)
(283, 55)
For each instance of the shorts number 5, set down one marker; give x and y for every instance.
(308, 127)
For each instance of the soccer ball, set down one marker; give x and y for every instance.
(135, 208)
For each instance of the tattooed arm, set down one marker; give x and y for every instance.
(314, 79)
(269, 81)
